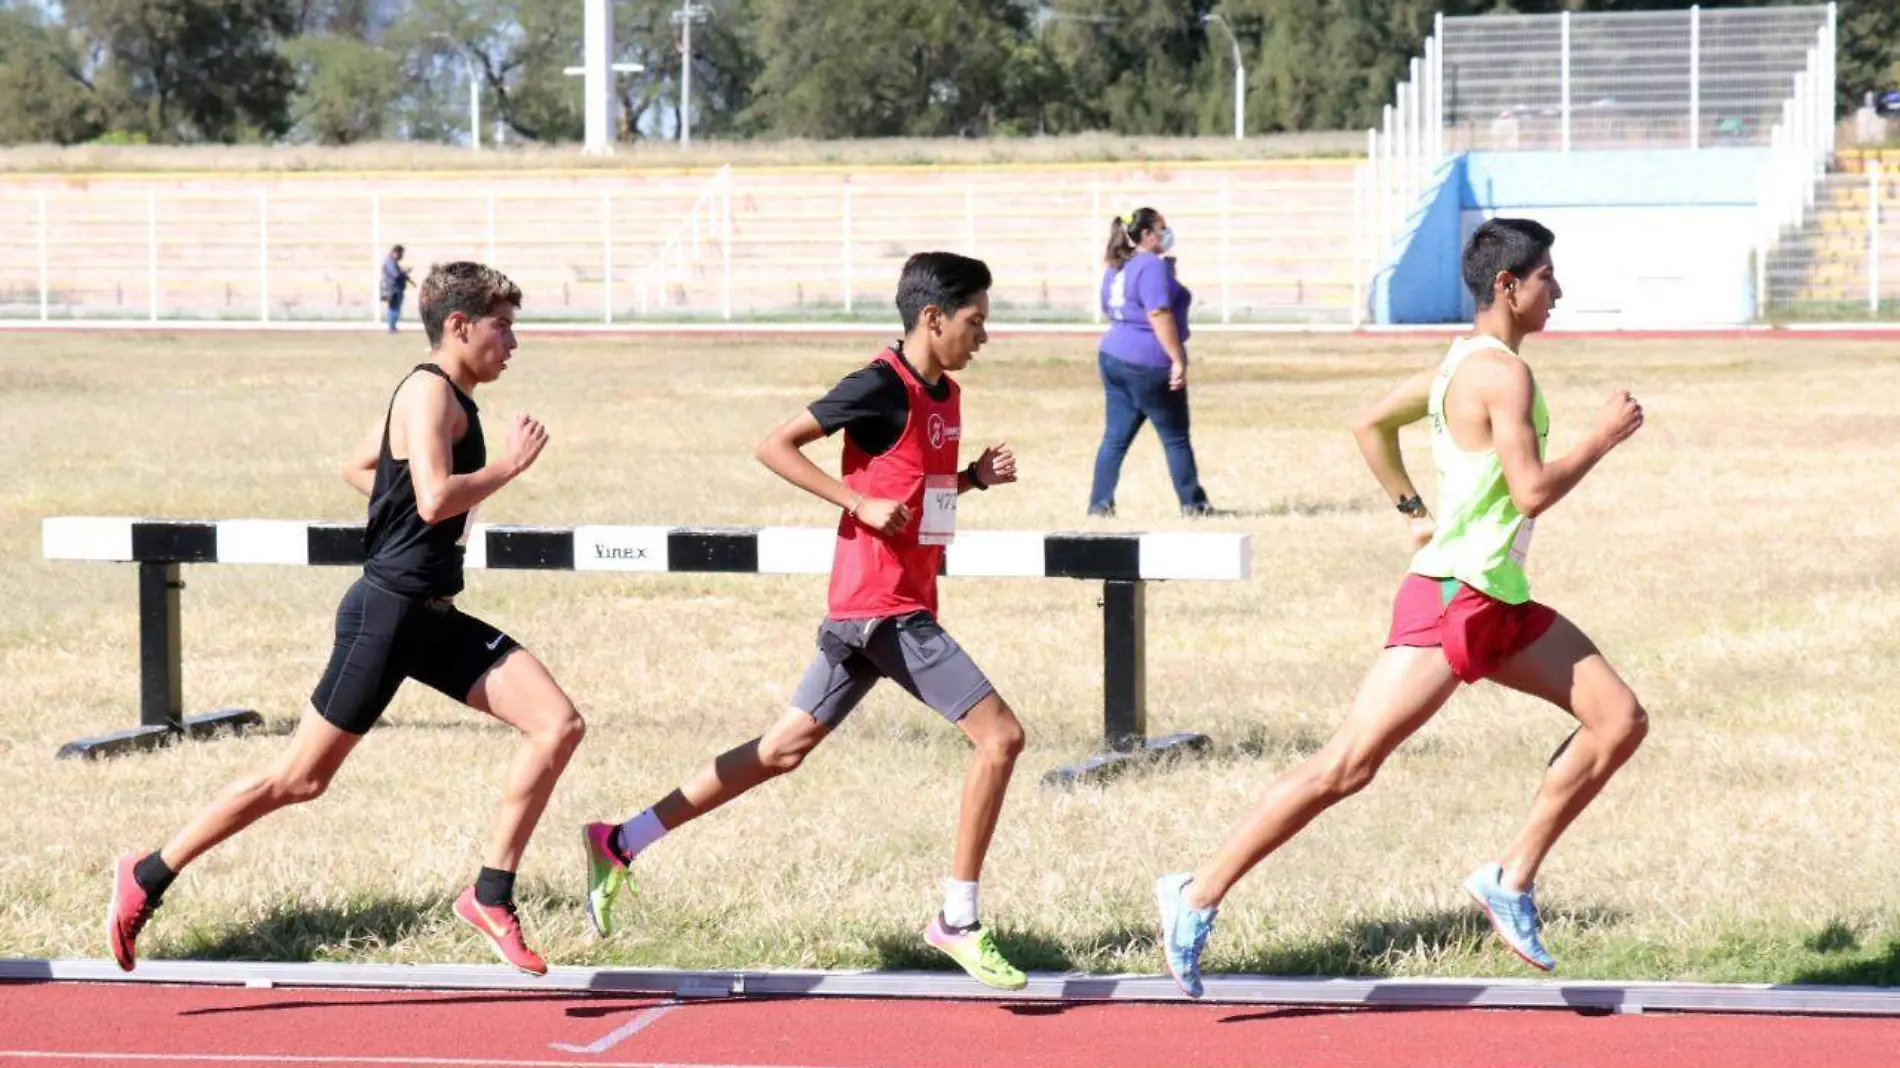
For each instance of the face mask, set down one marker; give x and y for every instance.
(1167, 238)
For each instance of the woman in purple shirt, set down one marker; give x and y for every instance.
(1144, 359)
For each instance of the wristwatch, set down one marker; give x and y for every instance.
(1412, 506)
(970, 473)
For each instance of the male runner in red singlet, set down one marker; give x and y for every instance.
(899, 495)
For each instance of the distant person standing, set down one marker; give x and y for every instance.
(1143, 359)
(395, 280)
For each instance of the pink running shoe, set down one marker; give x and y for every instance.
(502, 930)
(127, 914)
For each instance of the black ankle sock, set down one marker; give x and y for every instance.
(948, 928)
(495, 888)
(153, 876)
(617, 848)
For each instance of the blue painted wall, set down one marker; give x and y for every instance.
(1643, 237)
(1667, 178)
(1423, 285)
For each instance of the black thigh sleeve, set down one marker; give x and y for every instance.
(449, 650)
(364, 669)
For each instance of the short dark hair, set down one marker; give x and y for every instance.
(945, 279)
(1513, 245)
(474, 289)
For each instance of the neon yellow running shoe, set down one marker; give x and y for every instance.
(606, 876)
(975, 952)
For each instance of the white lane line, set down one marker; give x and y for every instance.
(620, 1034)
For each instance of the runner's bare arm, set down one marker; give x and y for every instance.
(1377, 430)
(426, 405)
(783, 453)
(359, 470)
(1505, 388)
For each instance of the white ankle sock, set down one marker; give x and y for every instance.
(959, 903)
(638, 833)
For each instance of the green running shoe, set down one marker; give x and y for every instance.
(606, 876)
(975, 952)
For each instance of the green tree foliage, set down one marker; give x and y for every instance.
(1131, 65)
(47, 99)
(334, 71)
(726, 67)
(516, 50)
(889, 68)
(346, 89)
(191, 70)
(1869, 57)
(358, 20)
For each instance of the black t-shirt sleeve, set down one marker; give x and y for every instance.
(869, 404)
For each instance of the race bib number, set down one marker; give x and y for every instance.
(939, 523)
(1118, 295)
(1521, 545)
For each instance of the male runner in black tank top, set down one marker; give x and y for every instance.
(425, 469)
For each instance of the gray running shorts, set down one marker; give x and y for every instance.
(912, 651)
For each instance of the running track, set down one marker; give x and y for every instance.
(69, 1024)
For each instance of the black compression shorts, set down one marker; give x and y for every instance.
(383, 638)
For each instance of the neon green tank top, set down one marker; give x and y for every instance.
(1481, 539)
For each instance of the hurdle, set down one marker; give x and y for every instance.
(1124, 563)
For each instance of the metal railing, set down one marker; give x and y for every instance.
(709, 217)
(1843, 261)
(1692, 78)
(1801, 145)
(1260, 242)
(1403, 154)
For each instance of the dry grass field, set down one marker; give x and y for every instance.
(1737, 560)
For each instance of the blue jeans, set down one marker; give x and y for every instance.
(395, 310)
(1137, 395)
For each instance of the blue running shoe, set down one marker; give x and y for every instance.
(1513, 915)
(1184, 931)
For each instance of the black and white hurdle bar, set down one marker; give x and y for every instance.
(1124, 563)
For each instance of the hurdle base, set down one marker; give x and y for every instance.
(140, 739)
(1103, 767)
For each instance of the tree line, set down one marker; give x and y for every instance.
(342, 71)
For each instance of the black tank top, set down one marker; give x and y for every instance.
(406, 555)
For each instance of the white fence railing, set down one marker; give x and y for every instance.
(1402, 156)
(1690, 78)
(1260, 241)
(1843, 261)
(708, 219)
(1801, 144)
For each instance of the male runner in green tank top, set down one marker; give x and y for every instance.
(1464, 612)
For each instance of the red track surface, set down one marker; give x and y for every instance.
(93, 1024)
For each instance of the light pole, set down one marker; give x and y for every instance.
(684, 18)
(474, 92)
(604, 146)
(1240, 77)
(597, 79)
